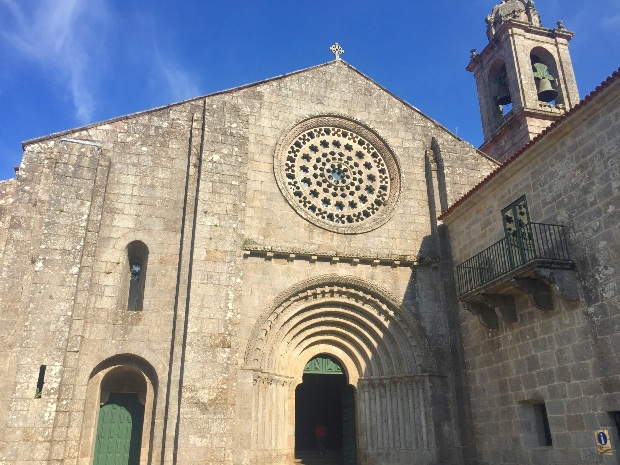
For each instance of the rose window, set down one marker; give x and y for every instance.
(340, 176)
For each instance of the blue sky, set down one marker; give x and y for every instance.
(66, 63)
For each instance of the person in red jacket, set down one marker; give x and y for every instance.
(320, 432)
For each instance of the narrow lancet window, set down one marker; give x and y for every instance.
(137, 256)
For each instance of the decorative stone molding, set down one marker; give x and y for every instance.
(503, 304)
(539, 292)
(558, 109)
(485, 314)
(271, 379)
(338, 174)
(292, 254)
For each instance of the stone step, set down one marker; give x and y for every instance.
(314, 458)
(318, 461)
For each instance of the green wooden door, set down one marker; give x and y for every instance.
(349, 443)
(119, 431)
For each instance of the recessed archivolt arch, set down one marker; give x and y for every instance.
(364, 322)
(320, 320)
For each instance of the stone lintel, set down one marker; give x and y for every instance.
(402, 377)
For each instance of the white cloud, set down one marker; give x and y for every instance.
(62, 36)
(178, 83)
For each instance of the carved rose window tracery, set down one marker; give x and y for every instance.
(338, 174)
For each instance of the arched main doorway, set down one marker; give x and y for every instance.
(376, 342)
(325, 397)
(120, 419)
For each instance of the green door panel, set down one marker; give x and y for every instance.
(119, 431)
(323, 365)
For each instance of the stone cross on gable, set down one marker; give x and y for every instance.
(336, 50)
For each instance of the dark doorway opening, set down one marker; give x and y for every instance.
(319, 400)
(616, 417)
(324, 397)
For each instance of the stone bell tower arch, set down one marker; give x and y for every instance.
(524, 77)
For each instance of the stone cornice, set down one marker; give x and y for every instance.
(550, 113)
(523, 26)
(333, 257)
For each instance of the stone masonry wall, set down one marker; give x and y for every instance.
(154, 160)
(7, 196)
(567, 357)
(517, 133)
(22, 239)
(65, 268)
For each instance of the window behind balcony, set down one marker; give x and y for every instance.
(520, 247)
(515, 216)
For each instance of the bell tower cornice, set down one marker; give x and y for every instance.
(478, 57)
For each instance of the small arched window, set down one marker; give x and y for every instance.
(137, 257)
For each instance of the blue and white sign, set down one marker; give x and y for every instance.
(603, 443)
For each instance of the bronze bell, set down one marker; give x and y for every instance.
(546, 93)
(503, 95)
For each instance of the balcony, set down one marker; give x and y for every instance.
(534, 260)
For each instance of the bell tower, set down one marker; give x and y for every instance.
(524, 77)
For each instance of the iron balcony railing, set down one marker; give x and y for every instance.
(534, 241)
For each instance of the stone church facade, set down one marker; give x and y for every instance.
(207, 281)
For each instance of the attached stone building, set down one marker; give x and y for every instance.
(537, 247)
(540, 319)
(207, 281)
